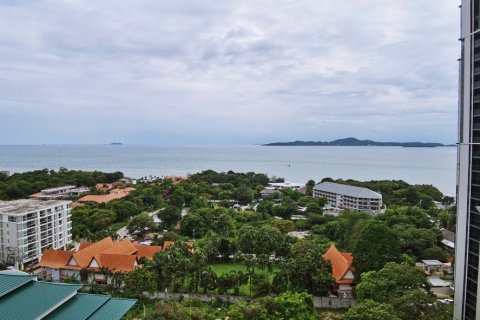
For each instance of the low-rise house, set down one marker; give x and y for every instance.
(24, 297)
(342, 271)
(59, 192)
(431, 267)
(285, 185)
(268, 193)
(114, 256)
(344, 196)
(104, 198)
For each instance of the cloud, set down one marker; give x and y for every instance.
(227, 71)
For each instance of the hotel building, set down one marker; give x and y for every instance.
(27, 227)
(343, 196)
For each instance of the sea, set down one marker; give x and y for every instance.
(435, 166)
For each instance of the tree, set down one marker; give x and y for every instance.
(371, 310)
(285, 226)
(417, 304)
(390, 282)
(101, 219)
(248, 311)
(193, 225)
(306, 270)
(140, 224)
(123, 208)
(376, 246)
(434, 253)
(291, 305)
(176, 200)
(138, 281)
(244, 194)
(170, 216)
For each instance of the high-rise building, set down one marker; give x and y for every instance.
(27, 227)
(467, 294)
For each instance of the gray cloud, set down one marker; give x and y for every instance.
(227, 71)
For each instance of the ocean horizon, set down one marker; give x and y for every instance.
(435, 166)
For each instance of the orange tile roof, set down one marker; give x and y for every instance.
(147, 251)
(104, 198)
(84, 256)
(83, 245)
(124, 246)
(341, 263)
(116, 262)
(167, 244)
(114, 255)
(55, 258)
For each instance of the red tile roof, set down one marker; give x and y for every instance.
(113, 255)
(147, 251)
(116, 262)
(341, 264)
(55, 258)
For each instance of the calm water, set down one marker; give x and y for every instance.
(415, 165)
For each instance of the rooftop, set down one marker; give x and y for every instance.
(432, 263)
(28, 205)
(26, 298)
(347, 190)
(341, 263)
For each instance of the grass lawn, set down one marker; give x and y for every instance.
(222, 268)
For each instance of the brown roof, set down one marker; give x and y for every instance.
(147, 251)
(341, 263)
(116, 262)
(104, 198)
(55, 258)
(84, 256)
(121, 247)
(114, 255)
(85, 244)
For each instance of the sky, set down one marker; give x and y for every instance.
(227, 72)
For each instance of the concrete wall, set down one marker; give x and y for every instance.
(318, 302)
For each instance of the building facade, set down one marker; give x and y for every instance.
(343, 196)
(27, 227)
(467, 297)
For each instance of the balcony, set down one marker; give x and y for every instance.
(476, 57)
(476, 99)
(476, 43)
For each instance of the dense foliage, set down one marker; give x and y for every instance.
(21, 185)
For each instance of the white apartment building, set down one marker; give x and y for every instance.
(59, 192)
(27, 227)
(343, 196)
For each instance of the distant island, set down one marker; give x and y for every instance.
(116, 144)
(354, 142)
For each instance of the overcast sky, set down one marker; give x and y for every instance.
(227, 72)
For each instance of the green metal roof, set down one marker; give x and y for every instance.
(79, 307)
(35, 300)
(10, 282)
(115, 308)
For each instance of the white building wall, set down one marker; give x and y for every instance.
(24, 235)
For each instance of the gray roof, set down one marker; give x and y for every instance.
(28, 205)
(344, 189)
